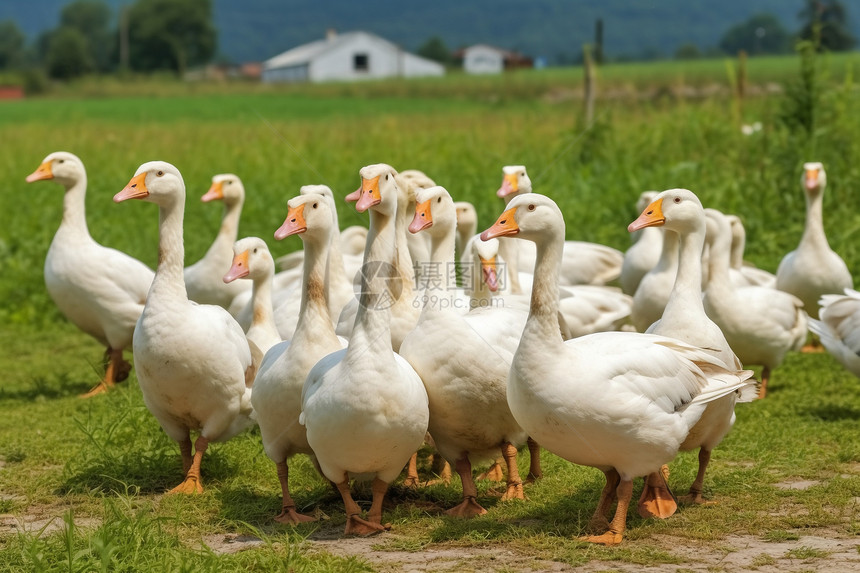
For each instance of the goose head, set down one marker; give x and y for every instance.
(328, 196)
(814, 178)
(677, 210)
(719, 231)
(63, 167)
(379, 189)
(309, 216)
(156, 182)
(467, 216)
(645, 199)
(225, 187)
(251, 259)
(515, 182)
(487, 252)
(533, 217)
(434, 211)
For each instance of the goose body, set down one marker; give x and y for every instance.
(277, 392)
(463, 360)
(619, 401)
(813, 269)
(365, 408)
(193, 361)
(680, 212)
(838, 327)
(760, 324)
(105, 300)
(203, 279)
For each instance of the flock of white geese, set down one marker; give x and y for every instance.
(359, 376)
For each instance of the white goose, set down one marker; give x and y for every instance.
(365, 408)
(749, 274)
(839, 327)
(252, 260)
(203, 279)
(654, 289)
(583, 263)
(463, 361)
(760, 324)
(104, 302)
(407, 306)
(622, 402)
(193, 361)
(277, 393)
(680, 212)
(813, 269)
(644, 253)
(467, 225)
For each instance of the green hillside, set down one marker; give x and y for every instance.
(257, 29)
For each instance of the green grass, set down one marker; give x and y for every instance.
(96, 470)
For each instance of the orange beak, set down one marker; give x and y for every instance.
(136, 189)
(353, 197)
(293, 224)
(509, 185)
(43, 172)
(505, 226)
(239, 269)
(489, 273)
(811, 178)
(216, 191)
(370, 194)
(652, 216)
(423, 217)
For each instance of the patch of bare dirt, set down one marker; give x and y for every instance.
(797, 484)
(41, 520)
(231, 543)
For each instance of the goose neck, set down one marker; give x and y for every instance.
(542, 321)
(813, 231)
(169, 276)
(74, 207)
(686, 294)
(314, 316)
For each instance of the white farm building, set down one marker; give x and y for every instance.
(347, 57)
(484, 59)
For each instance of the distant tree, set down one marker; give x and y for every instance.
(832, 18)
(688, 51)
(92, 18)
(170, 34)
(68, 54)
(11, 44)
(760, 34)
(435, 49)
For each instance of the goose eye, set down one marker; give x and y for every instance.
(255, 250)
(229, 182)
(386, 177)
(531, 207)
(677, 199)
(438, 199)
(160, 173)
(315, 205)
(61, 161)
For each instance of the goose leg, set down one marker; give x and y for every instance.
(657, 499)
(765, 376)
(192, 483)
(355, 525)
(378, 488)
(412, 478)
(535, 472)
(185, 452)
(695, 495)
(599, 521)
(288, 508)
(116, 370)
(624, 491)
(469, 507)
(515, 484)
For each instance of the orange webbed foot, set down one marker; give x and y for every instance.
(656, 499)
(494, 473)
(514, 491)
(192, 484)
(695, 498)
(469, 507)
(608, 538)
(290, 516)
(99, 388)
(358, 526)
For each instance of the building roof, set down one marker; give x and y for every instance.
(306, 52)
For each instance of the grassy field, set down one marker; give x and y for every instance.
(81, 482)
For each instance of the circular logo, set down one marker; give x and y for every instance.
(378, 285)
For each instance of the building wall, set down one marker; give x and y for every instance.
(291, 74)
(482, 60)
(367, 57)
